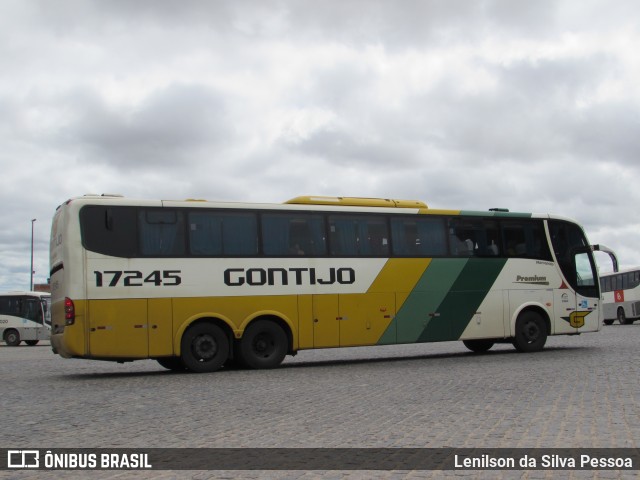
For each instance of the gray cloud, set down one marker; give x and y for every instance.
(170, 127)
(532, 106)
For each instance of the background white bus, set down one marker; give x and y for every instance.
(621, 296)
(25, 316)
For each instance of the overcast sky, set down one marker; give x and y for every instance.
(527, 105)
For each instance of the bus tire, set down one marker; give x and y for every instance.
(608, 322)
(12, 337)
(205, 348)
(531, 332)
(31, 343)
(171, 363)
(263, 345)
(478, 346)
(622, 318)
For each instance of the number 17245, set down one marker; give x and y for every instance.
(135, 278)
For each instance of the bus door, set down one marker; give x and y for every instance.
(574, 257)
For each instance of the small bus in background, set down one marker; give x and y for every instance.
(621, 296)
(25, 316)
(199, 285)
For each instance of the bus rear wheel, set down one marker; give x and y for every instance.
(263, 345)
(478, 346)
(171, 363)
(205, 348)
(31, 343)
(531, 332)
(622, 318)
(12, 338)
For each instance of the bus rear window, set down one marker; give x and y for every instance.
(109, 230)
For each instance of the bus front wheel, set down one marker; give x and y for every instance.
(531, 332)
(12, 338)
(263, 345)
(205, 348)
(478, 346)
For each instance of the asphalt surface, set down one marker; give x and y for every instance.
(580, 392)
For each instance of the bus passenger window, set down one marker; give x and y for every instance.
(464, 236)
(352, 235)
(220, 234)
(286, 234)
(418, 237)
(161, 232)
(525, 239)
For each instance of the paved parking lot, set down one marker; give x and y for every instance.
(579, 392)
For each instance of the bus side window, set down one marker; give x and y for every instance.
(285, 234)
(8, 306)
(223, 234)
(525, 240)
(418, 237)
(351, 235)
(33, 310)
(468, 236)
(161, 232)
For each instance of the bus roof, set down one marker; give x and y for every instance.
(625, 270)
(24, 293)
(310, 202)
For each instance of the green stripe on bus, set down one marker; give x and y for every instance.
(463, 299)
(428, 294)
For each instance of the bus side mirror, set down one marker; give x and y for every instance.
(608, 251)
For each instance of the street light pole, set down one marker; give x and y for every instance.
(31, 283)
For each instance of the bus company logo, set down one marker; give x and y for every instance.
(619, 296)
(23, 459)
(236, 277)
(531, 280)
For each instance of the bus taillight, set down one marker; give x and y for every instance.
(69, 312)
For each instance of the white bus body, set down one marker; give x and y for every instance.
(621, 296)
(25, 316)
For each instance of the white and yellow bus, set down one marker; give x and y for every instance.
(621, 296)
(25, 316)
(198, 285)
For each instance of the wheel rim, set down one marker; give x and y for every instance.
(531, 332)
(204, 347)
(263, 345)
